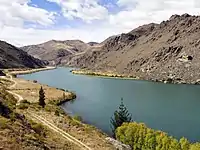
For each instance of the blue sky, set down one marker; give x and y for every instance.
(24, 22)
(62, 21)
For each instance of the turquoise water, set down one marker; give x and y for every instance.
(174, 109)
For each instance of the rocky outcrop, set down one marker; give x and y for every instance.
(13, 57)
(118, 145)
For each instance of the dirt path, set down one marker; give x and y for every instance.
(19, 97)
(10, 78)
(61, 132)
(45, 122)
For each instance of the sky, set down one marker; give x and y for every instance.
(27, 22)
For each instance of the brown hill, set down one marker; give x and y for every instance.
(166, 51)
(57, 51)
(13, 57)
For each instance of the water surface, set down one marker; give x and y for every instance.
(174, 109)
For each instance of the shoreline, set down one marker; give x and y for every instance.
(53, 113)
(125, 77)
(103, 75)
(28, 71)
(55, 106)
(29, 91)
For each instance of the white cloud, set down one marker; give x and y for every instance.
(127, 3)
(132, 13)
(16, 12)
(20, 36)
(87, 10)
(139, 12)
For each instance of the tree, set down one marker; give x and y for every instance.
(42, 97)
(120, 116)
(139, 137)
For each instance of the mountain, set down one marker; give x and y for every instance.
(13, 57)
(58, 52)
(166, 51)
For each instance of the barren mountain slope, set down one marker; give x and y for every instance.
(56, 51)
(165, 51)
(12, 57)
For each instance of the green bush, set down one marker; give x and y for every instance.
(57, 113)
(3, 123)
(195, 146)
(12, 116)
(25, 101)
(78, 118)
(38, 128)
(75, 123)
(23, 106)
(140, 137)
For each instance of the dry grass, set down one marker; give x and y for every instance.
(89, 135)
(85, 133)
(5, 82)
(30, 91)
(16, 132)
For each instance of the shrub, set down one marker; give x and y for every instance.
(57, 113)
(139, 136)
(3, 123)
(38, 128)
(78, 118)
(195, 146)
(23, 106)
(12, 116)
(25, 101)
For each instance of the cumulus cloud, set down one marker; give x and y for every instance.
(129, 15)
(87, 10)
(139, 12)
(20, 36)
(16, 12)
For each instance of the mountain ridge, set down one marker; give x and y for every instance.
(55, 51)
(165, 51)
(13, 57)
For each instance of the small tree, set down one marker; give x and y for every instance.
(120, 116)
(42, 97)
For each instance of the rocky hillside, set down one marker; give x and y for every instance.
(166, 51)
(58, 52)
(12, 57)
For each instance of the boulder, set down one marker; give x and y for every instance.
(117, 144)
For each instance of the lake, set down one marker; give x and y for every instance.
(174, 109)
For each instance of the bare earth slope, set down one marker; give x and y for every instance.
(13, 57)
(166, 51)
(57, 52)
